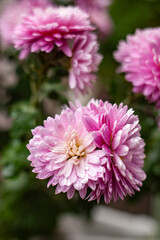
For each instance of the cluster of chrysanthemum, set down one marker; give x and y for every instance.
(96, 150)
(33, 26)
(140, 60)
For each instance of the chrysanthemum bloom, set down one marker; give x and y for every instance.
(84, 62)
(13, 14)
(116, 130)
(98, 14)
(140, 60)
(64, 151)
(50, 27)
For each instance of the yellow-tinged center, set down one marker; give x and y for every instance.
(75, 148)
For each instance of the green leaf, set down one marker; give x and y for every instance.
(24, 117)
(49, 87)
(14, 159)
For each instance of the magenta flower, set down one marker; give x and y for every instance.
(98, 14)
(50, 27)
(140, 60)
(84, 62)
(116, 131)
(64, 151)
(13, 15)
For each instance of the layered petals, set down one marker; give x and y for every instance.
(50, 27)
(116, 130)
(139, 56)
(64, 151)
(96, 148)
(13, 15)
(84, 62)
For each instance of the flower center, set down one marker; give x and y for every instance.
(74, 148)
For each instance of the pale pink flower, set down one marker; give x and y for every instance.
(116, 131)
(139, 56)
(13, 14)
(98, 14)
(50, 27)
(63, 150)
(84, 62)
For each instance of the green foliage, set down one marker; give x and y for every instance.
(25, 118)
(49, 87)
(55, 90)
(14, 159)
(152, 165)
(25, 208)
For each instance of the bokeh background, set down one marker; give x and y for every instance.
(28, 210)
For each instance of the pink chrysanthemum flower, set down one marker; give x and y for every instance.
(84, 62)
(98, 14)
(140, 60)
(116, 130)
(50, 27)
(64, 151)
(13, 15)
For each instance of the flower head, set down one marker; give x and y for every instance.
(64, 151)
(97, 147)
(116, 131)
(50, 27)
(84, 62)
(139, 58)
(98, 14)
(13, 15)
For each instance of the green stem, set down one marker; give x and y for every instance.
(34, 91)
(38, 73)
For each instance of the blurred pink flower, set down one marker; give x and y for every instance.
(84, 62)
(116, 131)
(139, 56)
(98, 14)
(13, 15)
(64, 151)
(50, 27)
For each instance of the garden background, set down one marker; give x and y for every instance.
(27, 207)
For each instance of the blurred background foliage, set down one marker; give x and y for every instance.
(27, 207)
